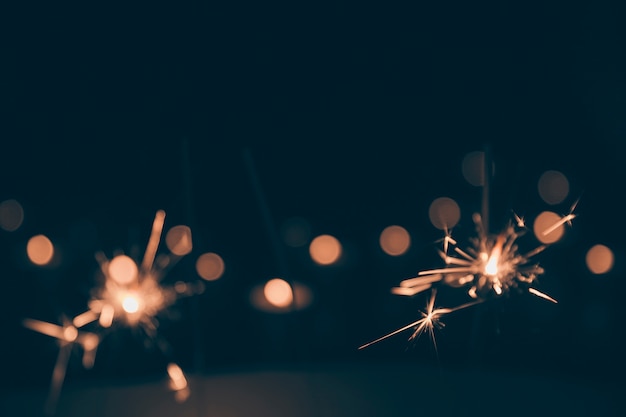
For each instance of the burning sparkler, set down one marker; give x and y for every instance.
(131, 295)
(67, 336)
(490, 267)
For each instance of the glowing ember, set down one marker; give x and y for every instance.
(131, 293)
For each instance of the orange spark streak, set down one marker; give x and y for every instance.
(542, 295)
(563, 220)
(153, 242)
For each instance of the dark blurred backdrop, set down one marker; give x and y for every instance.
(356, 115)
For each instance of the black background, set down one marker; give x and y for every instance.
(356, 115)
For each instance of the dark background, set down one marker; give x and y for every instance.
(356, 115)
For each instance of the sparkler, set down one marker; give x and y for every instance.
(490, 267)
(429, 321)
(67, 336)
(131, 295)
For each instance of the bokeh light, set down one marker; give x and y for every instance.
(599, 259)
(473, 167)
(553, 187)
(545, 221)
(40, 250)
(90, 342)
(394, 240)
(278, 292)
(210, 266)
(11, 215)
(296, 232)
(70, 333)
(444, 213)
(278, 296)
(178, 382)
(325, 249)
(123, 270)
(178, 240)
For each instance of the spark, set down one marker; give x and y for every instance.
(447, 239)
(137, 301)
(565, 219)
(491, 266)
(519, 221)
(430, 319)
(67, 336)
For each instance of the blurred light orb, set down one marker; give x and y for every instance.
(444, 213)
(325, 249)
(553, 187)
(296, 232)
(181, 287)
(11, 215)
(295, 296)
(70, 333)
(130, 304)
(178, 240)
(544, 222)
(178, 382)
(90, 341)
(599, 259)
(278, 292)
(394, 240)
(123, 270)
(210, 266)
(40, 250)
(473, 168)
